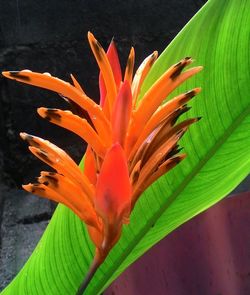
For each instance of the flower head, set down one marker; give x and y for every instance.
(131, 142)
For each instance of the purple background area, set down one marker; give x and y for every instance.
(209, 255)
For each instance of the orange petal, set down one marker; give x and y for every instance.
(157, 135)
(152, 158)
(163, 133)
(113, 190)
(121, 114)
(130, 66)
(165, 110)
(135, 173)
(43, 191)
(140, 75)
(60, 161)
(156, 94)
(72, 193)
(90, 166)
(94, 226)
(113, 58)
(105, 68)
(154, 161)
(74, 123)
(76, 84)
(96, 236)
(113, 193)
(159, 150)
(162, 169)
(67, 90)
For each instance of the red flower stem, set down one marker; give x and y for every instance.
(96, 263)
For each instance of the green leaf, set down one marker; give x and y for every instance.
(218, 149)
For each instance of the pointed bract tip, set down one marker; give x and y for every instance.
(23, 135)
(6, 74)
(34, 149)
(11, 74)
(197, 90)
(199, 68)
(155, 54)
(17, 75)
(27, 187)
(91, 37)
(24, 186)
(177, 159)
(41, 111)
(182, 157)
(187, 60)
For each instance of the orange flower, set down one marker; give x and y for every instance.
(131, 142)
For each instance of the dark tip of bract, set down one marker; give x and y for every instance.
(52, 178)
(25, 136)
(153, 58)
(171, 153)
(19, 75)
(29, 138)
(179, 150)
(178, 159)
(51, 110)
(135, 177)
(130, 64)
(35, 187)
(181, 133)
(52, 173)
(178, 64)
(180, 112)
(98, 48)
(14, 73)
(44, 156)
(190, 93)
(185, 109)
(178, 69)
(47, 118)
(52, 114)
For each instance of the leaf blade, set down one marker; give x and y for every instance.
(212, 146)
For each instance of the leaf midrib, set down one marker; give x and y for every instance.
(229, 131)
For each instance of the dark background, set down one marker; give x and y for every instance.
(50, 36)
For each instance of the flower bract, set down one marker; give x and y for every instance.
(132, 140)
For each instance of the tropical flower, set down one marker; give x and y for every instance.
(131, 141)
